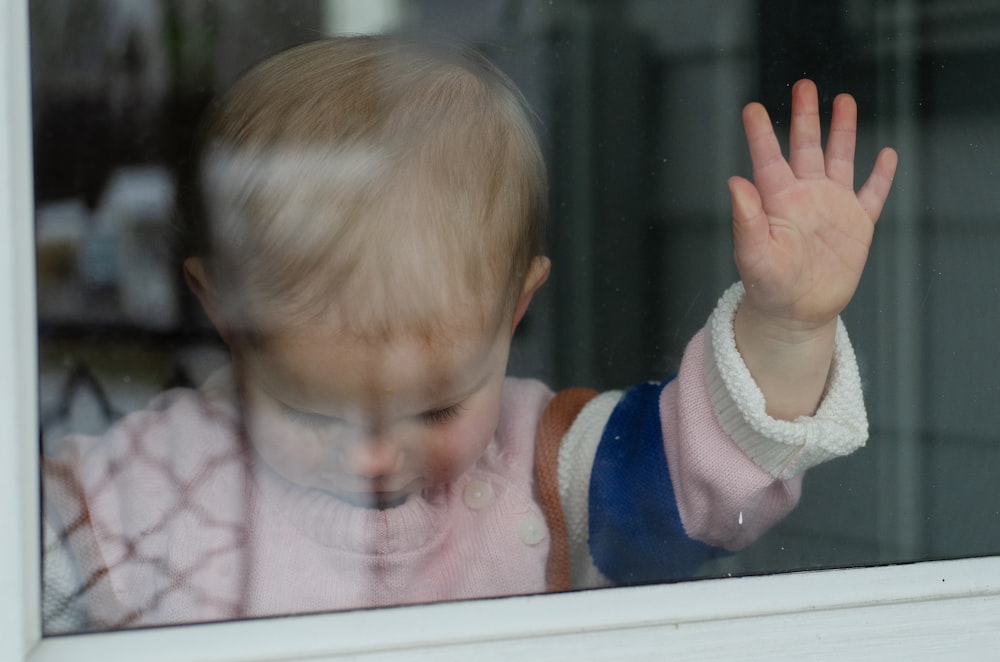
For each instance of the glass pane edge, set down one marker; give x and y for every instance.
(19, 557)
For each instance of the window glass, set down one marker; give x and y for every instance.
(637, 106)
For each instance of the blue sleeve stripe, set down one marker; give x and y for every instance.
(636, 534)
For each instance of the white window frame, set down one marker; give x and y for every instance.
(916, 611)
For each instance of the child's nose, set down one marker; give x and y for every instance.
(374, 458)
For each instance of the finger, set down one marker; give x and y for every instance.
(771, 173)
(873, 194)
(750, 226)
(805, 153)
(840, 144)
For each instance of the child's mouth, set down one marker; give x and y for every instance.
(378, 495)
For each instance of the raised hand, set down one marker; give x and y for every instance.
(801, 233)
(801, 237)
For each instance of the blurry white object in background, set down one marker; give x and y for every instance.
(136, 208)
(364, 16)
(60, 229)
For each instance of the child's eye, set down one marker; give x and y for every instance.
(438, 416)
(309, 419)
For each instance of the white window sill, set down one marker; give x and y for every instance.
(919, 611)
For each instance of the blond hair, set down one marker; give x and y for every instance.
(378, 184)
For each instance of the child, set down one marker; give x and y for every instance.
(376, 212)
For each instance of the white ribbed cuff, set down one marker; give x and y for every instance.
(782, 448)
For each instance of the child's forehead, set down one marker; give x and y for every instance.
(367, 325)
(436, 341)
(312, 365)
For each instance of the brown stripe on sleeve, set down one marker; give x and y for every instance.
(559, 414)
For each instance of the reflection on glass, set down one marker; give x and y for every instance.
(274, 365)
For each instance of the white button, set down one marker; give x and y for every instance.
(531, 530)
(478, 494)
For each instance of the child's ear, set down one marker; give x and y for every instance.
(537, 275)
(198, 281)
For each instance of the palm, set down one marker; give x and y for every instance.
(801, 233)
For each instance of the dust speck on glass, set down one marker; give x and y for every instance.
(191, 449)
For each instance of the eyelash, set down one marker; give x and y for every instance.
(439, 416)
(308, 419)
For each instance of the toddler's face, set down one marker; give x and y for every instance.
(373, 423)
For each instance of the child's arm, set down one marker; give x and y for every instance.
(680, 470)
(801, 241)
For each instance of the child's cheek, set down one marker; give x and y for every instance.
(287, 449)
(454, 449)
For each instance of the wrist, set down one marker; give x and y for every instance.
(775, 333)
(789, 362)
(783, 448)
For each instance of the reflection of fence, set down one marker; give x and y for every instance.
(107, 526)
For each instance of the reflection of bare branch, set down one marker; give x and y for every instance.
(80, 378)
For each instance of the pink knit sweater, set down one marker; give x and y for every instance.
(169, 520)
(190, 528)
